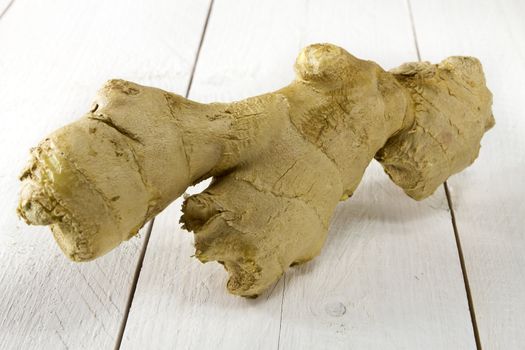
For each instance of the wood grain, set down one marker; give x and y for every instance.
(54, 56)
(488, 197)
(389, 275)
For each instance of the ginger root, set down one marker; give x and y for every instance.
(280, 162)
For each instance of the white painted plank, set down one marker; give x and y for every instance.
(488, 198)
(390, 262)
(389, 276)
(54, 56)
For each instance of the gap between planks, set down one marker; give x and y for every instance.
(452, 215)
(150, 226)
(134, 285)
(281, 316)
(4, 11)
(463, 269)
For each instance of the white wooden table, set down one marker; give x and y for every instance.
(444, 273)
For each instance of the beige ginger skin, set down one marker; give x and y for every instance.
(280, 162)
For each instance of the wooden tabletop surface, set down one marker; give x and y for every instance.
(444, 273)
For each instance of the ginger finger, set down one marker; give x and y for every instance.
(97, 181)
